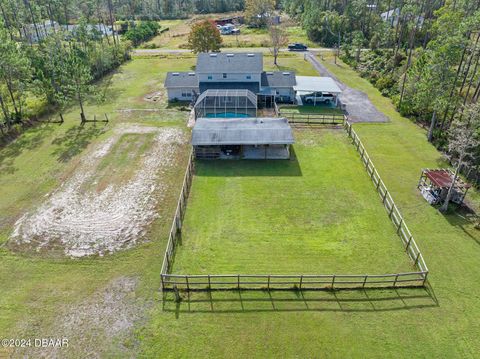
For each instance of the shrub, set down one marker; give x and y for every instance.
(142, 32)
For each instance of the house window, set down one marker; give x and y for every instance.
(249, 77)
(210, 77)
(224, 76)
(186, 94)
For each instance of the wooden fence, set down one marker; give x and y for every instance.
(394, 214)
(299, 281)
(176, 227)
(313, 118)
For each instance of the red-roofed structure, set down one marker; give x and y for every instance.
(435, 183)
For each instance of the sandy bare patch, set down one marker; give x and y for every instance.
(87, 222)
(101, 325)
(154, 96)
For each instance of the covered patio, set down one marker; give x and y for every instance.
(251, 138)
(307, 85)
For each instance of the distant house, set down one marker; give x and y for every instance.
(392, 16)
(234, 71)
(230, 20)
(95, 29)
(37, 32)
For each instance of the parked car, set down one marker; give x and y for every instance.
(297, 47)
(318, 97)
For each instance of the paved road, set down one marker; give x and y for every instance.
(358, 106)
(233, 49)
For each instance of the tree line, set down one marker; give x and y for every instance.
(424, 54)
(46, 63)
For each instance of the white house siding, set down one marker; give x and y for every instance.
(176, 93)
(284, 92)
(231, 77)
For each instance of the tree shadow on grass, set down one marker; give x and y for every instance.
(248, 301)
(75, 140)
(30, 140)
(249, 168)
(465, 218)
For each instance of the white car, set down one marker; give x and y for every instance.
(318, 97)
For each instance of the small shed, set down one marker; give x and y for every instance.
(250, 138)
(226, 104)
(435, 183)
(314, 84)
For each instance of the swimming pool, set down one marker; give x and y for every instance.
(227, 115)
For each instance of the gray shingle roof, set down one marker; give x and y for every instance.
(181, 79)
(278, 79)
(244, 131)
(238, 62)
(251, 86)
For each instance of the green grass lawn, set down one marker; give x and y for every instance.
(440, 322)
(317, 214)
(177, 35)
(34, 288)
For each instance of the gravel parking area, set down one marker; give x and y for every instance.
(358, 106)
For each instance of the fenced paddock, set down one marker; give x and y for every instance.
(415, 277)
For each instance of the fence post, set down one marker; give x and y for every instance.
(238, 281)
(408, 243)
(268, 283)
(395, 282)
(400, 225)
(424, 277)
(301, 281)
(365, 280)
(188, 284)
(209, 282)
(333, 281)
(416, 259)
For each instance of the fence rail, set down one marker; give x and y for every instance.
(313, 118)
(394, 214)
(178, 218)
(299, 281)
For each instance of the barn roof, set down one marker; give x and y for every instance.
(181, 79)
(278, 79)
(443, 178)
(244, 131)
(238, 62)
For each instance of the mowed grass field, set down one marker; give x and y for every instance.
(177, 35)
(315, 214)
(441, 321)
(36, 290)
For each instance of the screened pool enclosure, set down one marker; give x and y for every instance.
(226, 104)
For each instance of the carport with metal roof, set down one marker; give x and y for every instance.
(311, 84)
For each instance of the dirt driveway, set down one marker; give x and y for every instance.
(358, 106)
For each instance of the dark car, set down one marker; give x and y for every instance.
(297, 47)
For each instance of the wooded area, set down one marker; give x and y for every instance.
(424, 54)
